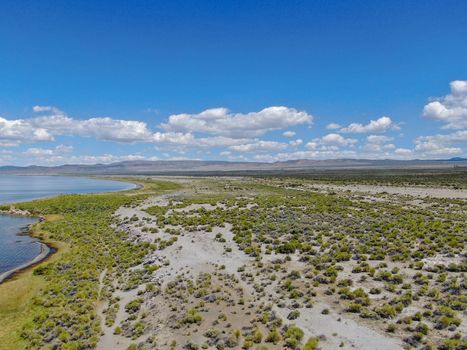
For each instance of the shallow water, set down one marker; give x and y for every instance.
(25, 188)
(16, 250)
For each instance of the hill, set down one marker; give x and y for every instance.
(197, 167)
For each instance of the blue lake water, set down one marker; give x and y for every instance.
(15, 250)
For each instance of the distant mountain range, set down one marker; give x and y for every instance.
(199, 167)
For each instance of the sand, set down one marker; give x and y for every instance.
(410, 191)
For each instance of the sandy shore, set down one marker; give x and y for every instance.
(45, 251)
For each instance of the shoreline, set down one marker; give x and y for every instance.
(46, 251)
(26, 200)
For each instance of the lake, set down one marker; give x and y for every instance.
(16, 250)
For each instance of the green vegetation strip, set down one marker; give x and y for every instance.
(60, 309)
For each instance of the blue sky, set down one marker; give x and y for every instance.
(88, 82)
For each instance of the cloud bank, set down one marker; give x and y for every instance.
(270, 134)
(450, 109)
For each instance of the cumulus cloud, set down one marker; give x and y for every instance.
(379, 139)
(450, 109)
(46, 127)
(113, 130)
(441, 144)
(379, 125)
(58, 154)
(377, 149)
(425, 147)
(19, 130)
(377, 145)
(260, 145)
(219, 141)
(329, 146)
(403, 151)
(105, 158)
(236, 136)
(220, 121)
(288, 133)
(39, 109)
(306, 154)
(312, 145)
(223, 127)
(333, 126)
(295, 143)
(330, 142)
(101, 128)
(336, 139)
(53, 157)
(59, 150)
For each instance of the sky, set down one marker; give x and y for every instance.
(107, 81)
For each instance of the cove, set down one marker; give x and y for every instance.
(17, 248)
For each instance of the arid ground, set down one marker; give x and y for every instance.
(287, 263)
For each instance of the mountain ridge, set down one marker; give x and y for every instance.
(160, 167)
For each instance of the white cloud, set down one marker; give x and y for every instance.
(289, 133)
(375, 149)
(308, 154)
(441, 144)
(6, 159)
(372, 148)
(46, 127)
(330, 142)
(312, 145)
(235, 136)
(333, 126)
(426, 147)
(450, 109)
(403, 151)
(260, 145)
(379, 125)
(295, 143)
(59, 150)
(220, 121)
(104, 158)
(226, 128)
(336, 139)
(101, 128)
(52, 156)
(379, 139)
(219, 141)
(176, 138)
(19, 130)
(5, 143)
(40, 109)
(113, 130)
